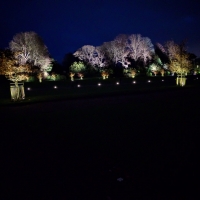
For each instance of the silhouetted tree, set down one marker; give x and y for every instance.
(68, 59)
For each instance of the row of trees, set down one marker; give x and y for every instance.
(28, 55)
(138, 53)
(119, 51)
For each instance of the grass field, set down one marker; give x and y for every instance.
(79, 148)
(96, 87)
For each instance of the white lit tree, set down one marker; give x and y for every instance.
(87, 54)
(100, 57)
(117, 50)
(140, 48)
(29, 48)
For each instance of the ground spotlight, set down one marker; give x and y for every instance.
(134, 82)
(149, 81)
(99, 84)
(28, 88)
(78, 85)
(55, 87)
(117, 83)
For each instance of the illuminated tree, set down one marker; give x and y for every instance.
(86, 53)
(162, 71)
(140, 48)
(179, 60)
(40, 76)
(29, 48)
(71, 75)
(80, 75)
(78, 67)
(45, 68)
(130, 72)
(154, 68)
(94, 56)
(104, 74)
(117, 50)
(100, 57)
(15, 72)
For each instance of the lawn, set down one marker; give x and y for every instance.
(91, 87)
(81, 148)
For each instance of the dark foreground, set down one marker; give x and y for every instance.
(132, 147)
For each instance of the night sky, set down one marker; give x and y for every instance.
(66, 25)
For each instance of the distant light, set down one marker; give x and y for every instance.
(149, 81)
(162, 80)
(117, 83)
(197, 77)
(55, 87)
(78, 85)
(28, 88)
(99, 84)
(134, 82)
(120, 179)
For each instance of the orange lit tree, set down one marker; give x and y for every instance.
(179, 60)
(13, 71)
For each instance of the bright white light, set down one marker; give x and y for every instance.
(28, 88)
(45, 74)
(78, 85)
(117, 83)
(99, 84)
(197, 77)
(149, 81)
(55, 87)
(134, 82)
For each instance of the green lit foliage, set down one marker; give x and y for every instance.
(154, 68)
(77, 67)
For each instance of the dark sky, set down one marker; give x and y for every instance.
(66, 25)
